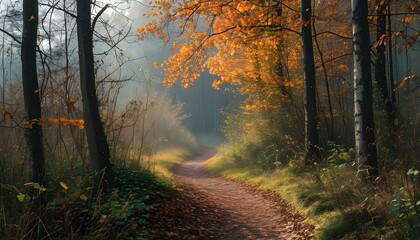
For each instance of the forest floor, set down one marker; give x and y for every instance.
(206, 206)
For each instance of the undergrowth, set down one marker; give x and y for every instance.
(73, 213)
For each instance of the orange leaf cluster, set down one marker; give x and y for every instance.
(78, 123)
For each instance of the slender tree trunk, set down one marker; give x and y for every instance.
(97, 143)
(380, 70)
(330, 127)
(363, 101)
(311, 126)
(390, 58)
(31, 93)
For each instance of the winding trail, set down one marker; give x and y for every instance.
(240, 213)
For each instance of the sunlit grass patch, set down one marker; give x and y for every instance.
(163, 161)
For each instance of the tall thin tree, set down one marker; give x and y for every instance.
(97, 143)
(366, 152)
(380, 69)
(311, 126)
(31, 94)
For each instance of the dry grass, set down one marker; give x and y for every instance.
(163, 161)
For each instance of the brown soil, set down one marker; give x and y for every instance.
(210, 207)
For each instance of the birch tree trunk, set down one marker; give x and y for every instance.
(311, 127)
(363, 101)
(97, 143)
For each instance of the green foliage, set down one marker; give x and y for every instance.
(404, 207)
(125, 209)
(258, 141)
(74, 210)
(350, 223)
(336, 154)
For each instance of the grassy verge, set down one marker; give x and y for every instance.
(161, 163)
(282, 181)
(333, 198)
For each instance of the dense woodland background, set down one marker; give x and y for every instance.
(282, 84)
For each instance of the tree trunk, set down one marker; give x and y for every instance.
(363, 101)
(330, 127)
(311, 127)
(97, 143)
(390, 58)
(31, 92)
(380, 70)
(32, 101)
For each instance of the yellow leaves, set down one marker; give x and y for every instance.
(408, 19)
(29, 184)
(64, 186)
(381, 41)
(83, 197)
(54, 121)
(250, 107)
(216, 84)
(406, 80)
(29, 124)
(232, 51)
(31, 18)
(34, 185)
(78, 123)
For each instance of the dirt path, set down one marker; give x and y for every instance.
(228, 210)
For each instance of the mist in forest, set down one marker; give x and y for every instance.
(199, 107)
(113, 114)
(203, 107)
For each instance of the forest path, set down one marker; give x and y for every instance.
(229, 210)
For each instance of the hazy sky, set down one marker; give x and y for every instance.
(127, 17)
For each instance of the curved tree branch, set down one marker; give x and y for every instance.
(11, 36)
(98, 15)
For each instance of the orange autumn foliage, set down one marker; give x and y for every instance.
(78, 123)
(244, 43)
(237, 40)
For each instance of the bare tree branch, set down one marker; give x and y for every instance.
(98, 15)
(10, 35)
